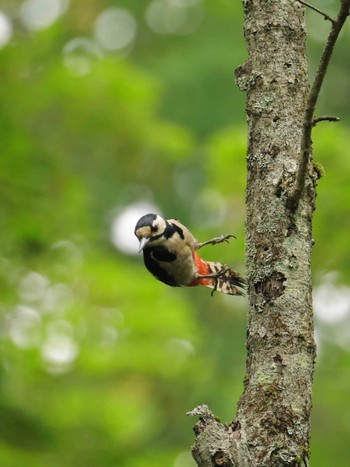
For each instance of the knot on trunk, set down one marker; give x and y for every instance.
(272, 286)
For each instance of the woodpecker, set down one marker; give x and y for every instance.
(170, 254)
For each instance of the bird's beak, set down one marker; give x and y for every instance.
(143, 243)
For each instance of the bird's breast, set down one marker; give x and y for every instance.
(171, 266)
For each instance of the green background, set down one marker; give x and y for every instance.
(99, 361)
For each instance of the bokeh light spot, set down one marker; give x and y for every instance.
(59, 349)
(57, 298)
(5, 29)
(174, 17)
(33, 286)
(40, 14)
(24, 327)
(115, 29)
(79, 55)
(331, 301)
(181, 349)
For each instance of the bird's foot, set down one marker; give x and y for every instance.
(215, 276)
(216, 240)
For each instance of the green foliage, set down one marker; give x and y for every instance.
(330, 143)
(100, 362)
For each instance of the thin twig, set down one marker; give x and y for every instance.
(295, 194)
(325, 118)
(327, 17)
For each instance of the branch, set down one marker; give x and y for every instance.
(295, 194)
(325, 118)
(327, 17)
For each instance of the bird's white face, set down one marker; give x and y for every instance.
(149, 227)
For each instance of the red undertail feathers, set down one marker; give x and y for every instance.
(228, 281)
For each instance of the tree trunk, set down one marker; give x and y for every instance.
(272, 425)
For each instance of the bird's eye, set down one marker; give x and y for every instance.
(154, 228)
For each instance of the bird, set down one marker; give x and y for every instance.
(170, 254)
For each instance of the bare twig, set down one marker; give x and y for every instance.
(327, 17)
(295, 194)
(325, 118)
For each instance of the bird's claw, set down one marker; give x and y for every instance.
(225, 238)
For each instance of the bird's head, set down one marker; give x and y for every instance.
(149, 227)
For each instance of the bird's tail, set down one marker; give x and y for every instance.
(220, 277)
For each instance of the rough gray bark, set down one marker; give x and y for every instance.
(272, 424)
(275, 408)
